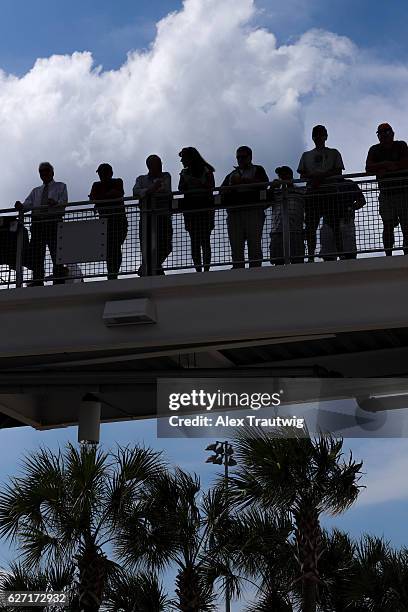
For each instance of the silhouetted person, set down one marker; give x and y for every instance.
(109, 188)
(338, 232)
(46, 204)
(388, 160)
(154, 189)
(295, 198)
(245, 223)
(197, 174)
(317, 167)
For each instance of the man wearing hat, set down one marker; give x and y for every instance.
(46, 204)
(388, 160)
(109, 188)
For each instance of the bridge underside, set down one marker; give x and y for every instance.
(338, 319)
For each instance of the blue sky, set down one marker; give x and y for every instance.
(385, 466)
(110, 29)
(350, 85)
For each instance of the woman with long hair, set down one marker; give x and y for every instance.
(197, 181)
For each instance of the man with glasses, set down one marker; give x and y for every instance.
(245, 223)
(46, 204)
(388, 160)
(318, 167)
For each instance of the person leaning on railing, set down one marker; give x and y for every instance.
(155, 188)
(317, 167)
(389, 161)
(109, 188)
(338, 231)
(245, 223)
(295, 201)
(46, 204)
(197, 178)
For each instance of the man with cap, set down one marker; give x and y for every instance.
(46, 204)
(109, 188)
(388, 160)
(318, 167)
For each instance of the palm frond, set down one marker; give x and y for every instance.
(129, 592)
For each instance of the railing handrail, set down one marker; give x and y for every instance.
(215, 190)
(143, 217)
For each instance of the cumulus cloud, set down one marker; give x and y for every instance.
(212, 78)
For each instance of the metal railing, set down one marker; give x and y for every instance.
(265, 224)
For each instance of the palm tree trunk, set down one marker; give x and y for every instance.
(188, 590)
(309, 596)
(309, 550)
(92, 578)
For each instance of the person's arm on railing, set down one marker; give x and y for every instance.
(209, 181)
(375, 167)
(116, 192)
(182, 182)
(378, 168)
(360, 200)
(316, 177)
(138, 191)
(62, 200)
(141, 192)
(305, 175)
(27, 204)
(166, 183)
(261, 175)
(382, 167)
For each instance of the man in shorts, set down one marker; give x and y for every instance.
(388, 160)
(317, 167)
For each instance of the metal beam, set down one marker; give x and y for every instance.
(229, 307)
(179, 355)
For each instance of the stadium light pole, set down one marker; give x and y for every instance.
(223, 452)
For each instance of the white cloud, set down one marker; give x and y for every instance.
(385, 467)
(212, 79)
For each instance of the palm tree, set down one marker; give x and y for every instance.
(129, 592)
(303, 477)
(58, 578)
(261, 554)
(337, 564)
(183, 532)
(378, 582)
(66, 505)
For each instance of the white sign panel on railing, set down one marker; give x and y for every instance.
(81, 241)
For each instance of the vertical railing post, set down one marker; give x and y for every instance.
(153, 236)
(19, 249)
(145, 219)
(285, 223)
